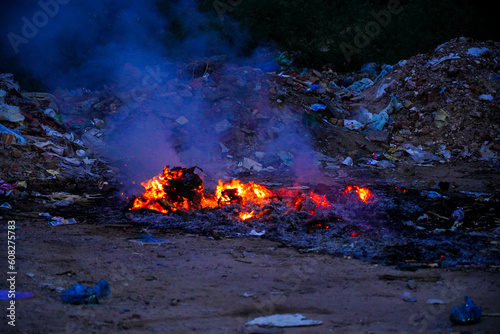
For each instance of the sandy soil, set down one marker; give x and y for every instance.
(198, 284)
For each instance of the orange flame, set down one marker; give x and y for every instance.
(236, 191)
(364, 194)
(311, 203)
(246, 215)
(181, 189)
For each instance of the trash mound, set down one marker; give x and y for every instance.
(449, 97)
(442, 105)
(38, 150)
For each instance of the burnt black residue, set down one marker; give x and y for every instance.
(402, 227)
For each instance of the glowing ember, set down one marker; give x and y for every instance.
(364, 194)
(245, 215)
(311, 202)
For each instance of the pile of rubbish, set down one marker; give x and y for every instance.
(441, 106)
(436, 107)
(39, 152)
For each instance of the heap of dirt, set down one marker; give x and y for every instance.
(449, 98)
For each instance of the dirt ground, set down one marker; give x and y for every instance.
(194, 283)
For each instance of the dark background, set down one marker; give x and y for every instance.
(312, 29)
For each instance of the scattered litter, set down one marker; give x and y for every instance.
(440, 118)
(10, 113)
(435, 61)
(435, 301)
(348, 161)
(15, 135)
(284, 320)
(381, 89)
(6, 206)
(80, 294)
(5, 187)
(486, 97)
(408, 298)
(359, 86)
(431, 194)
(147, 239)
(472, 193)
(318, 106)
(419, 155)
(385, 70)
(352, 124)
(248, 295)
(477, 52)
(255, 233)
(252, 164)
(57, 221)
(468, 313)
(458, 214)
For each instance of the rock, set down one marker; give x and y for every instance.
(379, 136)
(411, 284)
(408, 104)
(406, 169)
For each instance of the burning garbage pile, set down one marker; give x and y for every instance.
(409, 227)
(182, 189)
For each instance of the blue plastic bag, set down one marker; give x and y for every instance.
(80, 294)
(468, 313)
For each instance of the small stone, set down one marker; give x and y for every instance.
(408, 104)
(411, 284)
